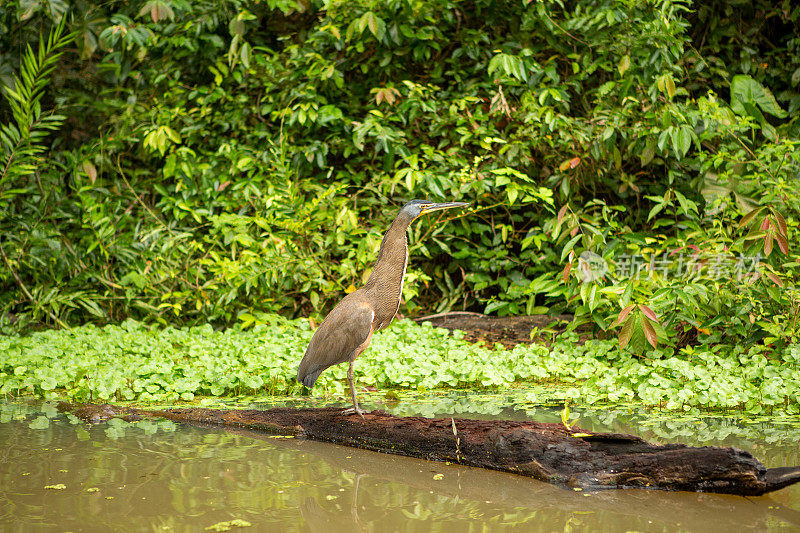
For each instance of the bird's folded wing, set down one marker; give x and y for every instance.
(346, 328)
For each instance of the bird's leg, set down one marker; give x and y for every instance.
(354, 506)
(355, 408)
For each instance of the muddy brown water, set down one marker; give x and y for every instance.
(158, 476)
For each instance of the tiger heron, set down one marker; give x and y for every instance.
(348, 329)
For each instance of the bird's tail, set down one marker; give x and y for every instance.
(307, 375)
(309, 379)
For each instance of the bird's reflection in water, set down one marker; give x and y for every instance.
(316, 519)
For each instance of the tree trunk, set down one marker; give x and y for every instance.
(547, 452)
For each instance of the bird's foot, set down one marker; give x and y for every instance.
(354, 410)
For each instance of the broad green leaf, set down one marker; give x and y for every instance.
(568, 247)
(624, 313)
(781, 223)
(688, 206)
(681, 140)
(656, 209)
(157, 9)
(512, 191)
(647, 154)
(649, 331)
(626, 332)
(376, 25)
(593, 300)
(749, 217)
(648, 312)
(624, 64)
(746, 90)
(669, 85)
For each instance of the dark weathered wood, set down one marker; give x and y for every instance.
(687, 511)
(548, 452)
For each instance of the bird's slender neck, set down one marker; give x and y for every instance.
(390, 267)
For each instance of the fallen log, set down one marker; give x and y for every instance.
(548, 452)
(686, 511)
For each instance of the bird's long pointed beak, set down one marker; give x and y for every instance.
(445, 205)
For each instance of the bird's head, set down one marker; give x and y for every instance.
(417, 208)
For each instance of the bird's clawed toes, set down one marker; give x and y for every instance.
(354, 410)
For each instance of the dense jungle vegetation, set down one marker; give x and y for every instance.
(135, 362)
(632, 163)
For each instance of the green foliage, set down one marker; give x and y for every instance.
(21, 140)
(134, 362)
(223, 161)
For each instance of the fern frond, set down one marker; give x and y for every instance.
(20, 142)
